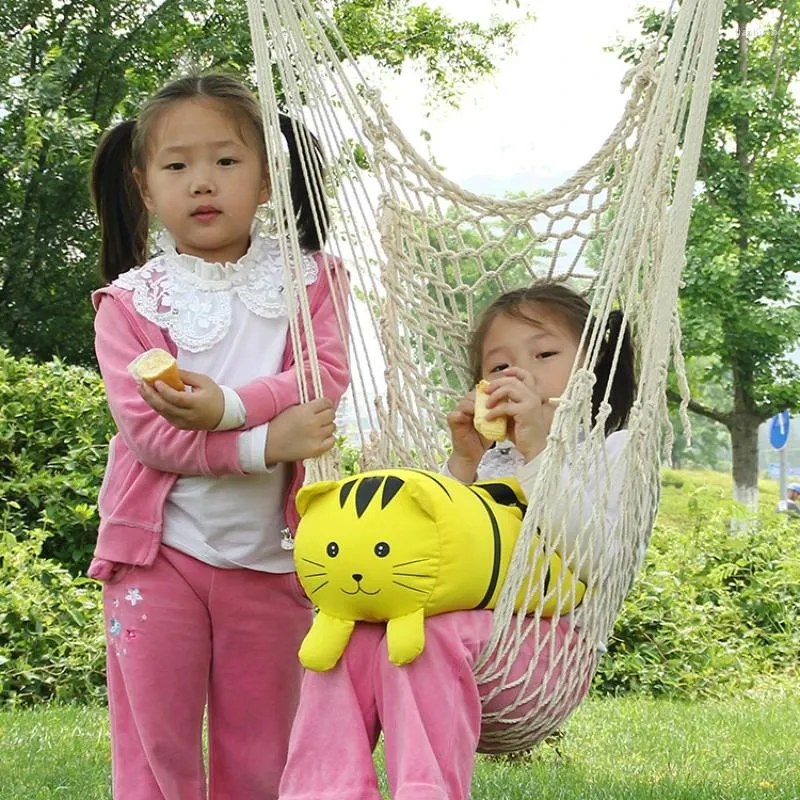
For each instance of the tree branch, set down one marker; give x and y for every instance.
(698, 408)
(773, 56)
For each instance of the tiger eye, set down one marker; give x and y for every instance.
(332, 549)
(382, 549)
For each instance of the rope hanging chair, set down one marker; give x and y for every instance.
(422, 253)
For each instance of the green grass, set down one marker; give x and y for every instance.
(640, 749)
(685, 493)
(614, 749)
(49, 753)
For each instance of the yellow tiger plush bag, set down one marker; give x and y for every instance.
(398, 545)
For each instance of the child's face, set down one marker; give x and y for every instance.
(545, 347)
(204, 179)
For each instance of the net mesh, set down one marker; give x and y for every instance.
(425, 255)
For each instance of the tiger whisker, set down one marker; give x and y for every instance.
(314, 574)
(413, 588)
(319, 587)
(315, 563)
(414, 574)
(413, 561)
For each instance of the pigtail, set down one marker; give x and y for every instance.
(307, 183)
(623, 383)
(122, 214)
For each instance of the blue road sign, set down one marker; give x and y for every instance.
(779, 430)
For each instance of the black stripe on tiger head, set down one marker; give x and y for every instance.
(367, 489)
(392, 486)
(344, 491)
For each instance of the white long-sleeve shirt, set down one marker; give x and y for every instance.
(230, 322)
(235, 520)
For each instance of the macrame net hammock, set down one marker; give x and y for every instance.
(421, 251)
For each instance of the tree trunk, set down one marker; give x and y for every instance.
(744, 424)
(744, 421)
(744, 444)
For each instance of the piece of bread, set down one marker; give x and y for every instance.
(494, 430)
(157, 365)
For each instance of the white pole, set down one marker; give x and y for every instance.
(782, 477)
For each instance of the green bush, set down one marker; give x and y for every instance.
(711, 612)
(54, 431)
(669, 477)
(51, 629)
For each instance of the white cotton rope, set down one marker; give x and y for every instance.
(423, 256)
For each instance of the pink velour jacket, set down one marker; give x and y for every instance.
(148, 454)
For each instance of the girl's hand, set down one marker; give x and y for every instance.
(468, 445)
(198, 410)
(514, 394)
(302, 431)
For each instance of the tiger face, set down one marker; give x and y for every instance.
(370, 549)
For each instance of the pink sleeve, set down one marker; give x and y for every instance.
(154, 441)
(265, 398)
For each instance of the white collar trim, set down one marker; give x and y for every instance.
(192, 299)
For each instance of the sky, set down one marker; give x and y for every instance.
(544, 112)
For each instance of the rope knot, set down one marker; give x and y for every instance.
(584, 380)
(642, 76)
(375, 134)
(387, 217)
(603, 413)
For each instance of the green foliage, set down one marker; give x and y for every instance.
(711, 610)
(709, 448)
(349, 457)
(68, 70)
(709, 613)
(51, 630)
(710, 440)
(740, 308)
(54, 431)
(398, 32)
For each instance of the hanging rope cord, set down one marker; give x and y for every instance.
(421, 250)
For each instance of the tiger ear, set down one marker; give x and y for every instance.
(309, 493)
(421, 492)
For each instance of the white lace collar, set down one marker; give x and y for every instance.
(191, 298)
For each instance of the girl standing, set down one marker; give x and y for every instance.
(202, 607)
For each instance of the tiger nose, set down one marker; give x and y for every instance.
(357, 577)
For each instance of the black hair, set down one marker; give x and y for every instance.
(307, 189)
(124, 220)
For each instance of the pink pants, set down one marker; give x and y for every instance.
(183, 635)
(429, 711)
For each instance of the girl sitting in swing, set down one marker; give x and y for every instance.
(430, 710)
